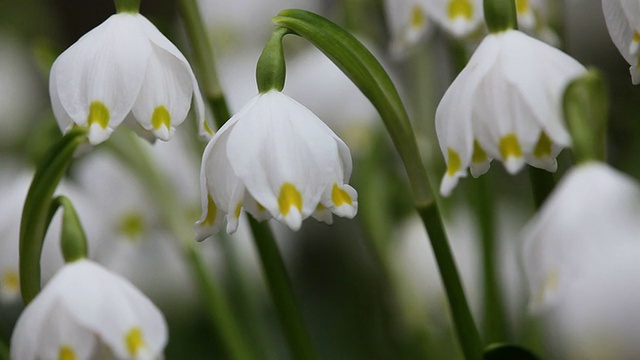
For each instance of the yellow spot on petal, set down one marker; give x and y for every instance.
(543, 147)
(522, 6)
(479, 155)
(339, 196)
(98, 114)
(132, 225)
(454, 163)
(135, 341)
(320, 207)
(460, 8)
(238, 209)
(10, 281)
(207, 128)
(161, 117)
(289, 196)
(510, 146)
(212, 211)
(66, 353)
(550, 285)
(417, 17)
(636, 36)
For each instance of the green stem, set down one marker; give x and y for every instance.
(282, 291)
(4, 350)
(542, 184)
(278, 280)
(463, 321)
(204, 60)
(494, 321)
(355, 60)
(35, 214)
(218, 310)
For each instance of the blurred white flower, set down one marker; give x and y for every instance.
(505, 104)
(623, 21)
(580, 256)
(274, 158)
(593, 211)
(87, 311)
(124, 70)
(135, 243)
(14, 193)
(407, 23)
(20, 94)
(458, 17)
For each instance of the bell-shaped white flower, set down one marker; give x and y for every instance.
(274, 158)
(124, 70)
(505, 104)
(580, 258)
(458, 17)
(408, 24)
(623, 21)
(86, 311)
(594, 210)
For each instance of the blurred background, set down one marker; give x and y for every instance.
(368, 288)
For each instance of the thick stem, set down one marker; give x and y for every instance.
(204, 60)
(282, 291)
(35, 214)
(494, 321)
(463, 321)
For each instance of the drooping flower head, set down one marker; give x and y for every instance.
(274, 158)
(407, 22)
(505, 104)
(457, 17)
(623, 21)
(579, 256)
(86, 311)
(124, 70)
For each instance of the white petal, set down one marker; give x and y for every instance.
(454, 126)
(166, 90)
(592, 210)
(346, 209)
(97, 134)
(161, 41)
(279, 141)
(323, 214)
(479, 168)
(64, 121)
(459, 26)
(111, 307)
(106, 65)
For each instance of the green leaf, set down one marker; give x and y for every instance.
(357, 62)
(36, 212)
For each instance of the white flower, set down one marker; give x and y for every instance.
(623, 21)
(85, 311)
(274, 158)
(458, 17)
(123, 70)
(505, 104)
(594, 210)
(407, 23)
(580, 258)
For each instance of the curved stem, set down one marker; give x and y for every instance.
(35, 214)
